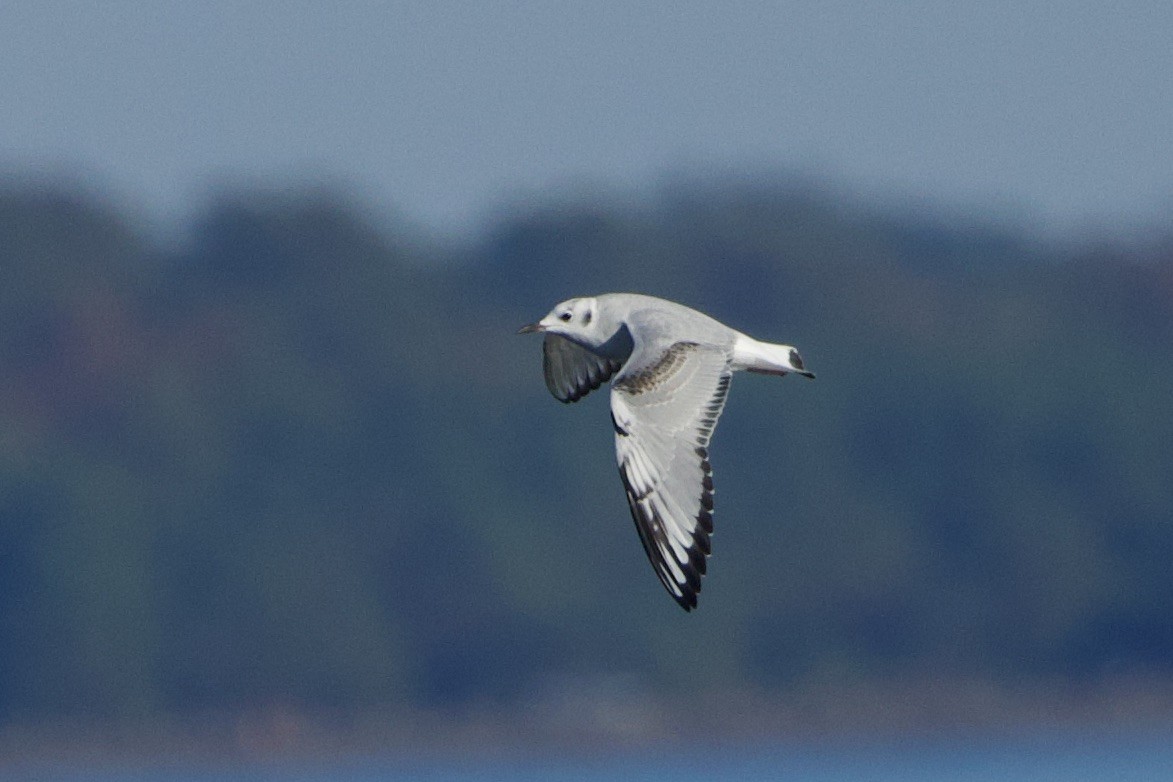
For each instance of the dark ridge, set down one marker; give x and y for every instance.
(619, 430)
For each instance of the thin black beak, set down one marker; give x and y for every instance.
(531, 328)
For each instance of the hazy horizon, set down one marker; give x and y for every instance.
(444, 116)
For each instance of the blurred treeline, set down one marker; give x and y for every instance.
(301, 457)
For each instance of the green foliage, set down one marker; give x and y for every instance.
(304, 461)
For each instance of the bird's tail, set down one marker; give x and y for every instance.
(767, 357)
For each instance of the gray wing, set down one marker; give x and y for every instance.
(572, 371)
(664, 416)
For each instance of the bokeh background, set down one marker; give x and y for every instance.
(277, 478)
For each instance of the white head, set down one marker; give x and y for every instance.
(579, 320)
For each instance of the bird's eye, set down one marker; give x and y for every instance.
(564, 317)
(586, 318)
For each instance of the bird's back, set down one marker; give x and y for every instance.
(656, 322)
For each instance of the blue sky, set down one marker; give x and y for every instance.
(1061, 113)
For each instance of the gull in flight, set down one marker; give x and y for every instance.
(671, 367)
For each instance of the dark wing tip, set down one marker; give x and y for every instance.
(653, 537)
(689, 591)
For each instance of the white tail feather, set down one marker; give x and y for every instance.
(767, 357)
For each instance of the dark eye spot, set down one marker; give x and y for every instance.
(586, 317)
(565, 316)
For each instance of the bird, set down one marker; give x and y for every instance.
(670, 368)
